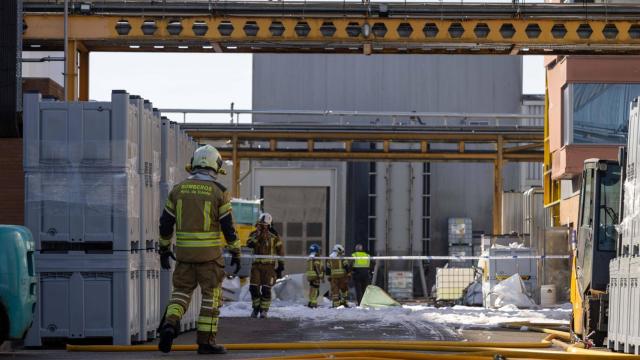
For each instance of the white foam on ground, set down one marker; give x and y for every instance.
(456, 316)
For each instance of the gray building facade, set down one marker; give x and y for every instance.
(393, 208)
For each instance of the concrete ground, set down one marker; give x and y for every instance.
(247, 330)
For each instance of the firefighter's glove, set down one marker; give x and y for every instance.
(165, 254)
(279, 270)
(235, 260)
(327, 271)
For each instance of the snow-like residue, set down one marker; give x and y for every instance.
(456, 316)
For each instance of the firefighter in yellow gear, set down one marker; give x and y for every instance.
(264, 241)
(315, 275)
(200, 209)
(361, 271)
(339, 270)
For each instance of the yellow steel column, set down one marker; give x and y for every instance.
(497, 188)
(71, 72)
(235, 186)
(84, 73)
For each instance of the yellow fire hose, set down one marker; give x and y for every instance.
(560, 334)
(387, 355)
(355, 344)
(484, 355)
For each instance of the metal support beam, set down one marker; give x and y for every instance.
(497, 188)
(84, 74)
(71, 71)
(235, 182)
(498, 30)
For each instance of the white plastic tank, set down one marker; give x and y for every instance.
(547, 295)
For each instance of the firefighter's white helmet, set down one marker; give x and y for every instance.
(206, 157)
(265, 218)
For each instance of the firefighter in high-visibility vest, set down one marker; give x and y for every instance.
(315, 275)
(263, 241)
(200, 209)
(338, 270)
(361, 271)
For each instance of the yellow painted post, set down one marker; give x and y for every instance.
(235, 187)
(497, 188)
(84, 74)
(71, 72)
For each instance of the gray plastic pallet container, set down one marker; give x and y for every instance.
(461, 250)
(460, 231)
(83, 211)
(80, 134)
(614, 303)
(85, 297)
(169, 159)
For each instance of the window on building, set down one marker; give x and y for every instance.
(597, 113)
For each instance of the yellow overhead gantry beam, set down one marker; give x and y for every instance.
(325, 27)
(496, 145)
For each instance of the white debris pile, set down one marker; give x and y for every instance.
(511, 291)
(457, 316)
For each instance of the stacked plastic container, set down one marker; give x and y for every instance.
(83, 208)
(93, 198)
(176, 151)
(623, 331)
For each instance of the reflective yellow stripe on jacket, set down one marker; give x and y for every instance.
(311, 269)
(199, 239)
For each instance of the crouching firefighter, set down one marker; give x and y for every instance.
(315, 275)
(263, 241)
(200, 209)
(339, 270)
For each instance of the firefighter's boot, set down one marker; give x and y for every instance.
(255, 312)
(204, 349)
(167, 334)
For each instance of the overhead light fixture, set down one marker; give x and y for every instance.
(225, 28)
(158, 46)
(207, 46)
(200, 28)
(85, 8)
(183, 47)
(149, 27)
(123, 27)
(35, 45)
(174, 27)
(134, 46)
(231, 47)
(366, 29)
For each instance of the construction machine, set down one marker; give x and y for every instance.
(597, 237)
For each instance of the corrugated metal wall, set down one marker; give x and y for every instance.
(531, 173)
(402, 83)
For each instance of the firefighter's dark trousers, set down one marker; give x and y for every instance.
(263, 276)
(339, 290)
(186, 277)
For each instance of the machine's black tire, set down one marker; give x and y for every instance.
(4, 325)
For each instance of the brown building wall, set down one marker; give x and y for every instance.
(45, 86)
(11, 182)
(562, 70)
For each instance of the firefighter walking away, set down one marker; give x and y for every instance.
(264, 272)
(315, 275)
(200, 209)
(338, 270)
